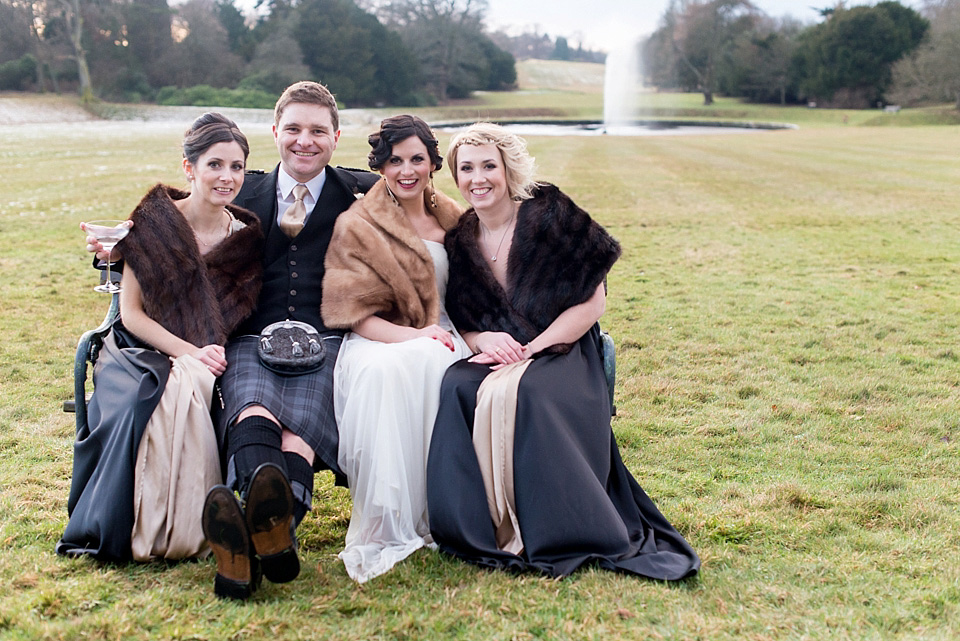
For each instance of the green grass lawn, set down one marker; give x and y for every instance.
(786, 315)
(582, 103)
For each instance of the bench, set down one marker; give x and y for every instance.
(609, 366)
(88, 348)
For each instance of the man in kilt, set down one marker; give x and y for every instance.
(280, 429)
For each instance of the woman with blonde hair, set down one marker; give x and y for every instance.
(524, 471)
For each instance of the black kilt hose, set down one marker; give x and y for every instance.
(303, 404)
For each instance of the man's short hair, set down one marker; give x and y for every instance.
(311, 93)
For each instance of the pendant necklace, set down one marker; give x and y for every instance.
(200, 240)
(497, 253)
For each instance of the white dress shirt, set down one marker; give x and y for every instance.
(285, 185)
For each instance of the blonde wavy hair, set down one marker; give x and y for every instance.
(519, 165)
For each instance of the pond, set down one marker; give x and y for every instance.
(643, 128)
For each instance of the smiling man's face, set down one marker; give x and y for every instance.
(306, 139)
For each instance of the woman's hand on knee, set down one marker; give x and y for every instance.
(437, 333)
(498, 349)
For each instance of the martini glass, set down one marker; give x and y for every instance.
(108, 233)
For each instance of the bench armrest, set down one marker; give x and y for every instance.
(609, 354)
(88, 348)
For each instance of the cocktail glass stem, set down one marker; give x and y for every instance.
(108, 286)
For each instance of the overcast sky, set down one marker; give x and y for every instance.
(603, 24)
(608, 24)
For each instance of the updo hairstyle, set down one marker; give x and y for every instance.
(519, 166)
(208, 130)
(397, 129)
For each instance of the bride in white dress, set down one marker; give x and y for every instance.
(386, 275)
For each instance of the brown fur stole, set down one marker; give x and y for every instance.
(199, 298)
(377, 264)
(558, 258)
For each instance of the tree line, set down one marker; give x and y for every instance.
(853, 57)
(409, 52)
(543, 46)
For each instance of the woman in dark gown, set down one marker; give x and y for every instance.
(192, 273)
(524, 471)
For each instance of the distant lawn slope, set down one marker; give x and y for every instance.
(559, 75)
(19, 108)
(556, 90)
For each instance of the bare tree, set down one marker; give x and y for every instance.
(203, 40)
(760, 61)
(932, 72)
(72, 15)
(59, 23)
(277, 60)
(702, 31)
(441, 33)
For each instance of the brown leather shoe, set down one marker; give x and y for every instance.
(269, 514)
(238, 571)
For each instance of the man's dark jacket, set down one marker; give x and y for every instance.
(293, 269)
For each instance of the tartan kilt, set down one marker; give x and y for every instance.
(303, 404)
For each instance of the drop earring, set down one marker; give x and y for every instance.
(433, 193)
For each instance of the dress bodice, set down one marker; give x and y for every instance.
(441, 266)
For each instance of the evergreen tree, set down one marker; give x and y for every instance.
(847, 60)
(352, 53)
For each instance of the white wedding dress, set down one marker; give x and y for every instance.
(386, 397)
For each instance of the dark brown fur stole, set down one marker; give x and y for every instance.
(558, 258)
(199, 298)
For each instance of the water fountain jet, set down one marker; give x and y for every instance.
(621, 87)
(622, 90)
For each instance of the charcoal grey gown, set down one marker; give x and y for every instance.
(576, 502)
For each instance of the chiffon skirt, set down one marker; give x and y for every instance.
(386, 398)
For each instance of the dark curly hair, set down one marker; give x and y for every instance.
(397, 129)
(208, 130)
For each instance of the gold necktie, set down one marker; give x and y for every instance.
(292, 221)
